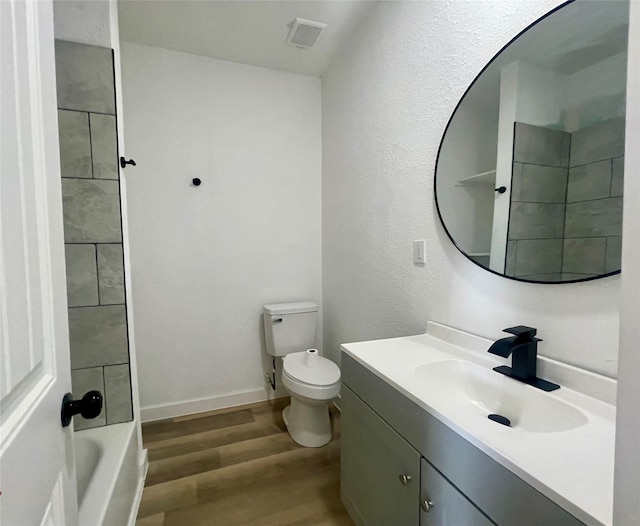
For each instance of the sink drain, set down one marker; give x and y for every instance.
(500, 419)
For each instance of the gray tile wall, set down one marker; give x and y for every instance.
(92, 226)
(538, 203)
(593, 223)
(566, 202)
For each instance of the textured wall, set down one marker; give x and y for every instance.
(386, 101)
(206, 259)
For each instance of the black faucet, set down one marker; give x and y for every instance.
(524, 348)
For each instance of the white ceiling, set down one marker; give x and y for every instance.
(246, 31)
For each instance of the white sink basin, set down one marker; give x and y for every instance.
(469, 388)
(561, 443)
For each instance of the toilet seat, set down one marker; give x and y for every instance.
(324, 373)
(312, 394)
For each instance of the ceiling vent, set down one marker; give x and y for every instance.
(304, 33)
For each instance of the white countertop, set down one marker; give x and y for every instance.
(573, 468)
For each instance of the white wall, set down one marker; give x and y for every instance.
(84, 21)
(386, 101)
(206, 259)
(596, 93)
(626, 503)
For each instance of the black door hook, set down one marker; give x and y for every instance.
(124, 162)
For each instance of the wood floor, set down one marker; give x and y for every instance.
(239, 467)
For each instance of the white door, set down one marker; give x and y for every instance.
(36, 466)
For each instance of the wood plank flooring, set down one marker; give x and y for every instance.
(239, 466)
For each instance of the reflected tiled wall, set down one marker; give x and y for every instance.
(92, 229)
(566, 202)
(593, 223)
(538, 195)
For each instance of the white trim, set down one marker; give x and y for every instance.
(160, 412)
(124, 211)
(626, 505)
(143, 467)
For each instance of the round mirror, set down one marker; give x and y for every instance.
(530, 168)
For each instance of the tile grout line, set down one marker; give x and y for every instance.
(90, 145)
(104, 396)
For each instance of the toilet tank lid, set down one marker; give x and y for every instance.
(290, 308)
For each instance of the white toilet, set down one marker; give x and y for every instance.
(311, 380)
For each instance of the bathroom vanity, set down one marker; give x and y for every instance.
(418, 448)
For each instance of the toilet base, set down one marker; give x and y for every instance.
(308, 422)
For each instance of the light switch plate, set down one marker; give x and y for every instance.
(419, 252)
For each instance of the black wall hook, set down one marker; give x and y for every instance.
(196, 181)
(501, 189)
(124, 162)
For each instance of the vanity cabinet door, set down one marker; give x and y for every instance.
(441, 504)
(380, 471)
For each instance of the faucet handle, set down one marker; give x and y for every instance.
(523, 333)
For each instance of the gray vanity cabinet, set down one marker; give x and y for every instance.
(385, 482)
(380, 471)
(385, 435)
(441, 504)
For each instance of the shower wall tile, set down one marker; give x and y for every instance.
(584, 255)
(98, 336)
(510, 264)
(613, 255)
(111, 274)
(84, 77)
(543, 146)
(536, 220)
(566, 276)
(554, 276)
(594, 218)
(617, 177)
(117, 385)
(82, 381)
(589, 181)
(75, 144)
(104, 146)
(516, 181)
(538, 184)
(91, 211)
(539, 256)
(82, 276)
(92, 224)
(600, 141)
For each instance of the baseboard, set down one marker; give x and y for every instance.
(160, 412)
(143, 464)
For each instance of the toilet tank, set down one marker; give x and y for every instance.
(289, 327)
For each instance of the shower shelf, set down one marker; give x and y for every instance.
(484, 178)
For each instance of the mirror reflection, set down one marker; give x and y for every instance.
(530, 170)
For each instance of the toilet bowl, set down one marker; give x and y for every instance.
(311, 389)
(311, 380)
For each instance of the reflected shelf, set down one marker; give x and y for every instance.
(484, 178)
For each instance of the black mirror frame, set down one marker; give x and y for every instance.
(435, 174)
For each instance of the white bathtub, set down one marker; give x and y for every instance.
(109, 474)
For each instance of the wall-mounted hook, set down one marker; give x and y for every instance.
(196, 181)
(501, 189)
(124, 162)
